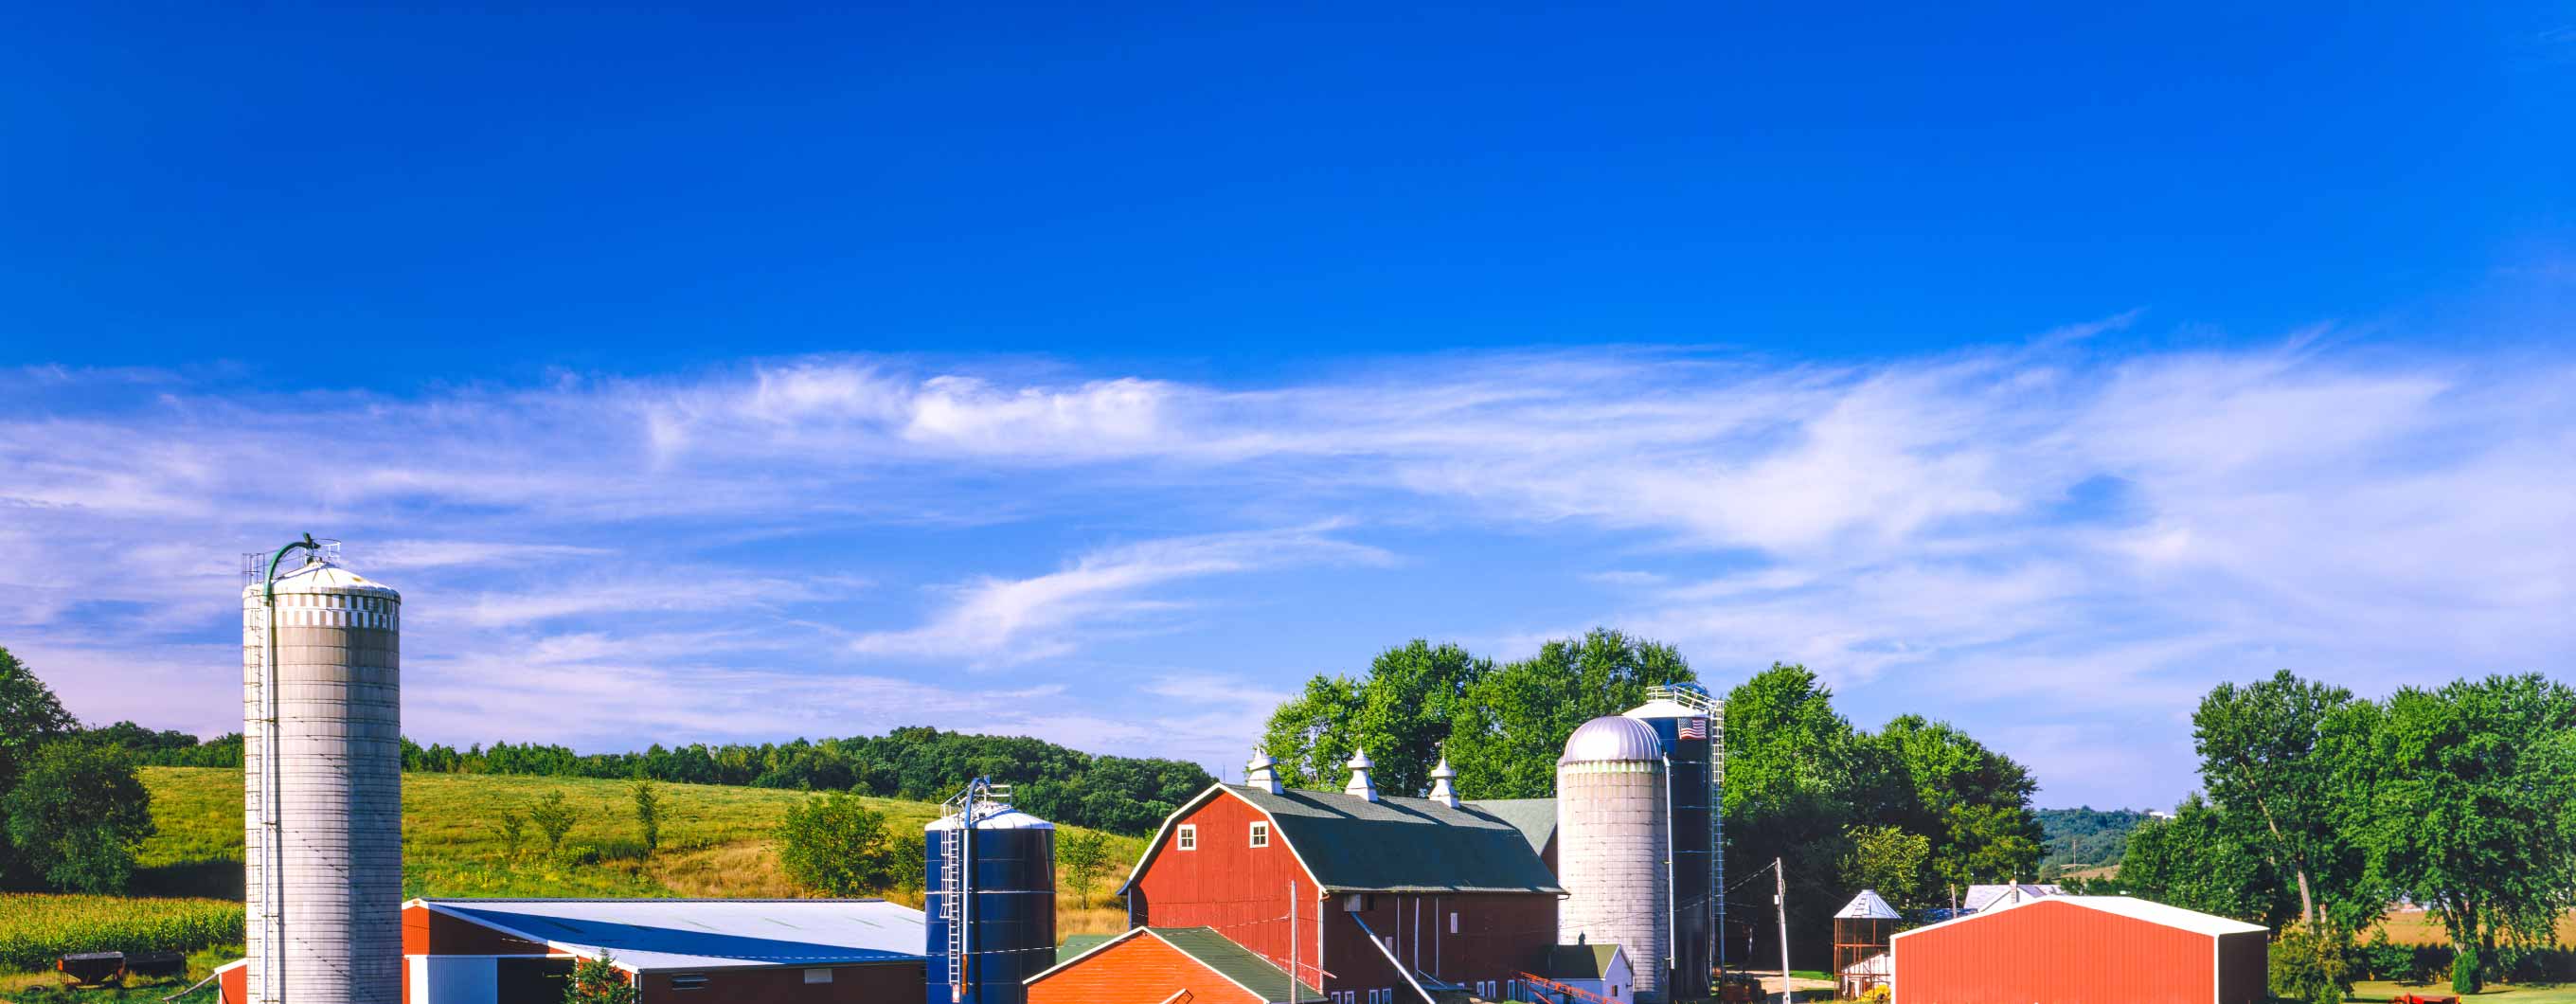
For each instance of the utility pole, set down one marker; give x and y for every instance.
(1780, 898)
(1292, 941)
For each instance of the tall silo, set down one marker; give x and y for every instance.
(1688, 727)
(1613, 845)
(988, 907)
(322, 771)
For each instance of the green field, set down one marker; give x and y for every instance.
(714, 843)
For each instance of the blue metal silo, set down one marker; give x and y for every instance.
(1691, 726)
(989, 903)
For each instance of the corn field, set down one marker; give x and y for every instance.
(36, 928)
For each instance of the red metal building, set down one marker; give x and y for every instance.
(2083, 950)
(1392, 898)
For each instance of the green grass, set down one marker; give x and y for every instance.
(714, 838)
(715, 842)
(2496, 993)
(49, 988)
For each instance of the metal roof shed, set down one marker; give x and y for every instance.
(2083, 950)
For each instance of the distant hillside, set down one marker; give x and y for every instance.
(715, 840)
(1129, 795)
(2085, 837)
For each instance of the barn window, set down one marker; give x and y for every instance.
(689, 981)
(1453, 921)
(818, 976)
(1188, 837)
(1260, 834)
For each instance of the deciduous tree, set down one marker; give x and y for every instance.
(77, 816)
(836, 845)
(2468, 807)
(2261, 761)
(1518, 716)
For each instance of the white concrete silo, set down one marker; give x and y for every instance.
(322, 770)
(1613, 832)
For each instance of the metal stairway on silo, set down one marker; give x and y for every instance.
(969, 807)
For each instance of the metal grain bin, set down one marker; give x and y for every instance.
(989, 906)
(1686, 725)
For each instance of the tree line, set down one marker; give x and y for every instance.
(2319, 809)
(1917, 810)
(1120, 794)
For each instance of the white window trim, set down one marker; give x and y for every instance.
(1186, 838)
(1260, 836)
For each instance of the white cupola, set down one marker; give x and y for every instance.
(1441, 791)
(1260, 773)
(1360, 784)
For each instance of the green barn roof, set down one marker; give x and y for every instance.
(1402, 844)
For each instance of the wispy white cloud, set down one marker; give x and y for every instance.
(2069, 529)
(1002, 621)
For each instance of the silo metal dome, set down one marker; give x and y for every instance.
(1613, 739)
(322, 780)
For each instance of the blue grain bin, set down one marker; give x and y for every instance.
(1008, 868)
(1685, 720)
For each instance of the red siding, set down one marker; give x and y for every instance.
(428, 932)
(890, 983)
(1244, 893)
(1139, 970)
(235, 986)
(2065, 954)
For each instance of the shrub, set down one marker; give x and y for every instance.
(835, 844)
(2308, 964)
(77, 815)
(514, 832)
(553, 818)
(648, 815)
(2389, 961)
(598, 981)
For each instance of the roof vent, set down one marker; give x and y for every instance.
(1441, 775)
(1360, 784)
(1259, 773)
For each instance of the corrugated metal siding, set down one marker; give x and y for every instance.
(1139, 970)
(2054, 953)
(427, 932)
(868, 984)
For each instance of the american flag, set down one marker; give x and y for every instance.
(1694, 728)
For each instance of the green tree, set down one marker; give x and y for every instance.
(834, 844)
(648, 814)
(2468, 806)
(1085, 857)
(599, 981)
(1516, 718)
(514, 832)
(30, 717)
(1797, 775)
(2262, 761)
(77, 815)
(2199, 861)
(1889, 860)
(553, 818)
(1973, 802)
(1401, 713)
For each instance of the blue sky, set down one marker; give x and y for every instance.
(1100, 374)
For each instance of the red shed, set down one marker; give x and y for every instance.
(2083, 950)
(1394, 898)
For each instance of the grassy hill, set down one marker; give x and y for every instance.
(715, 839)
(2085, 839)
(715, 842)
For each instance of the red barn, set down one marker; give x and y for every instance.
(2083, 950)
(1370, 899)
